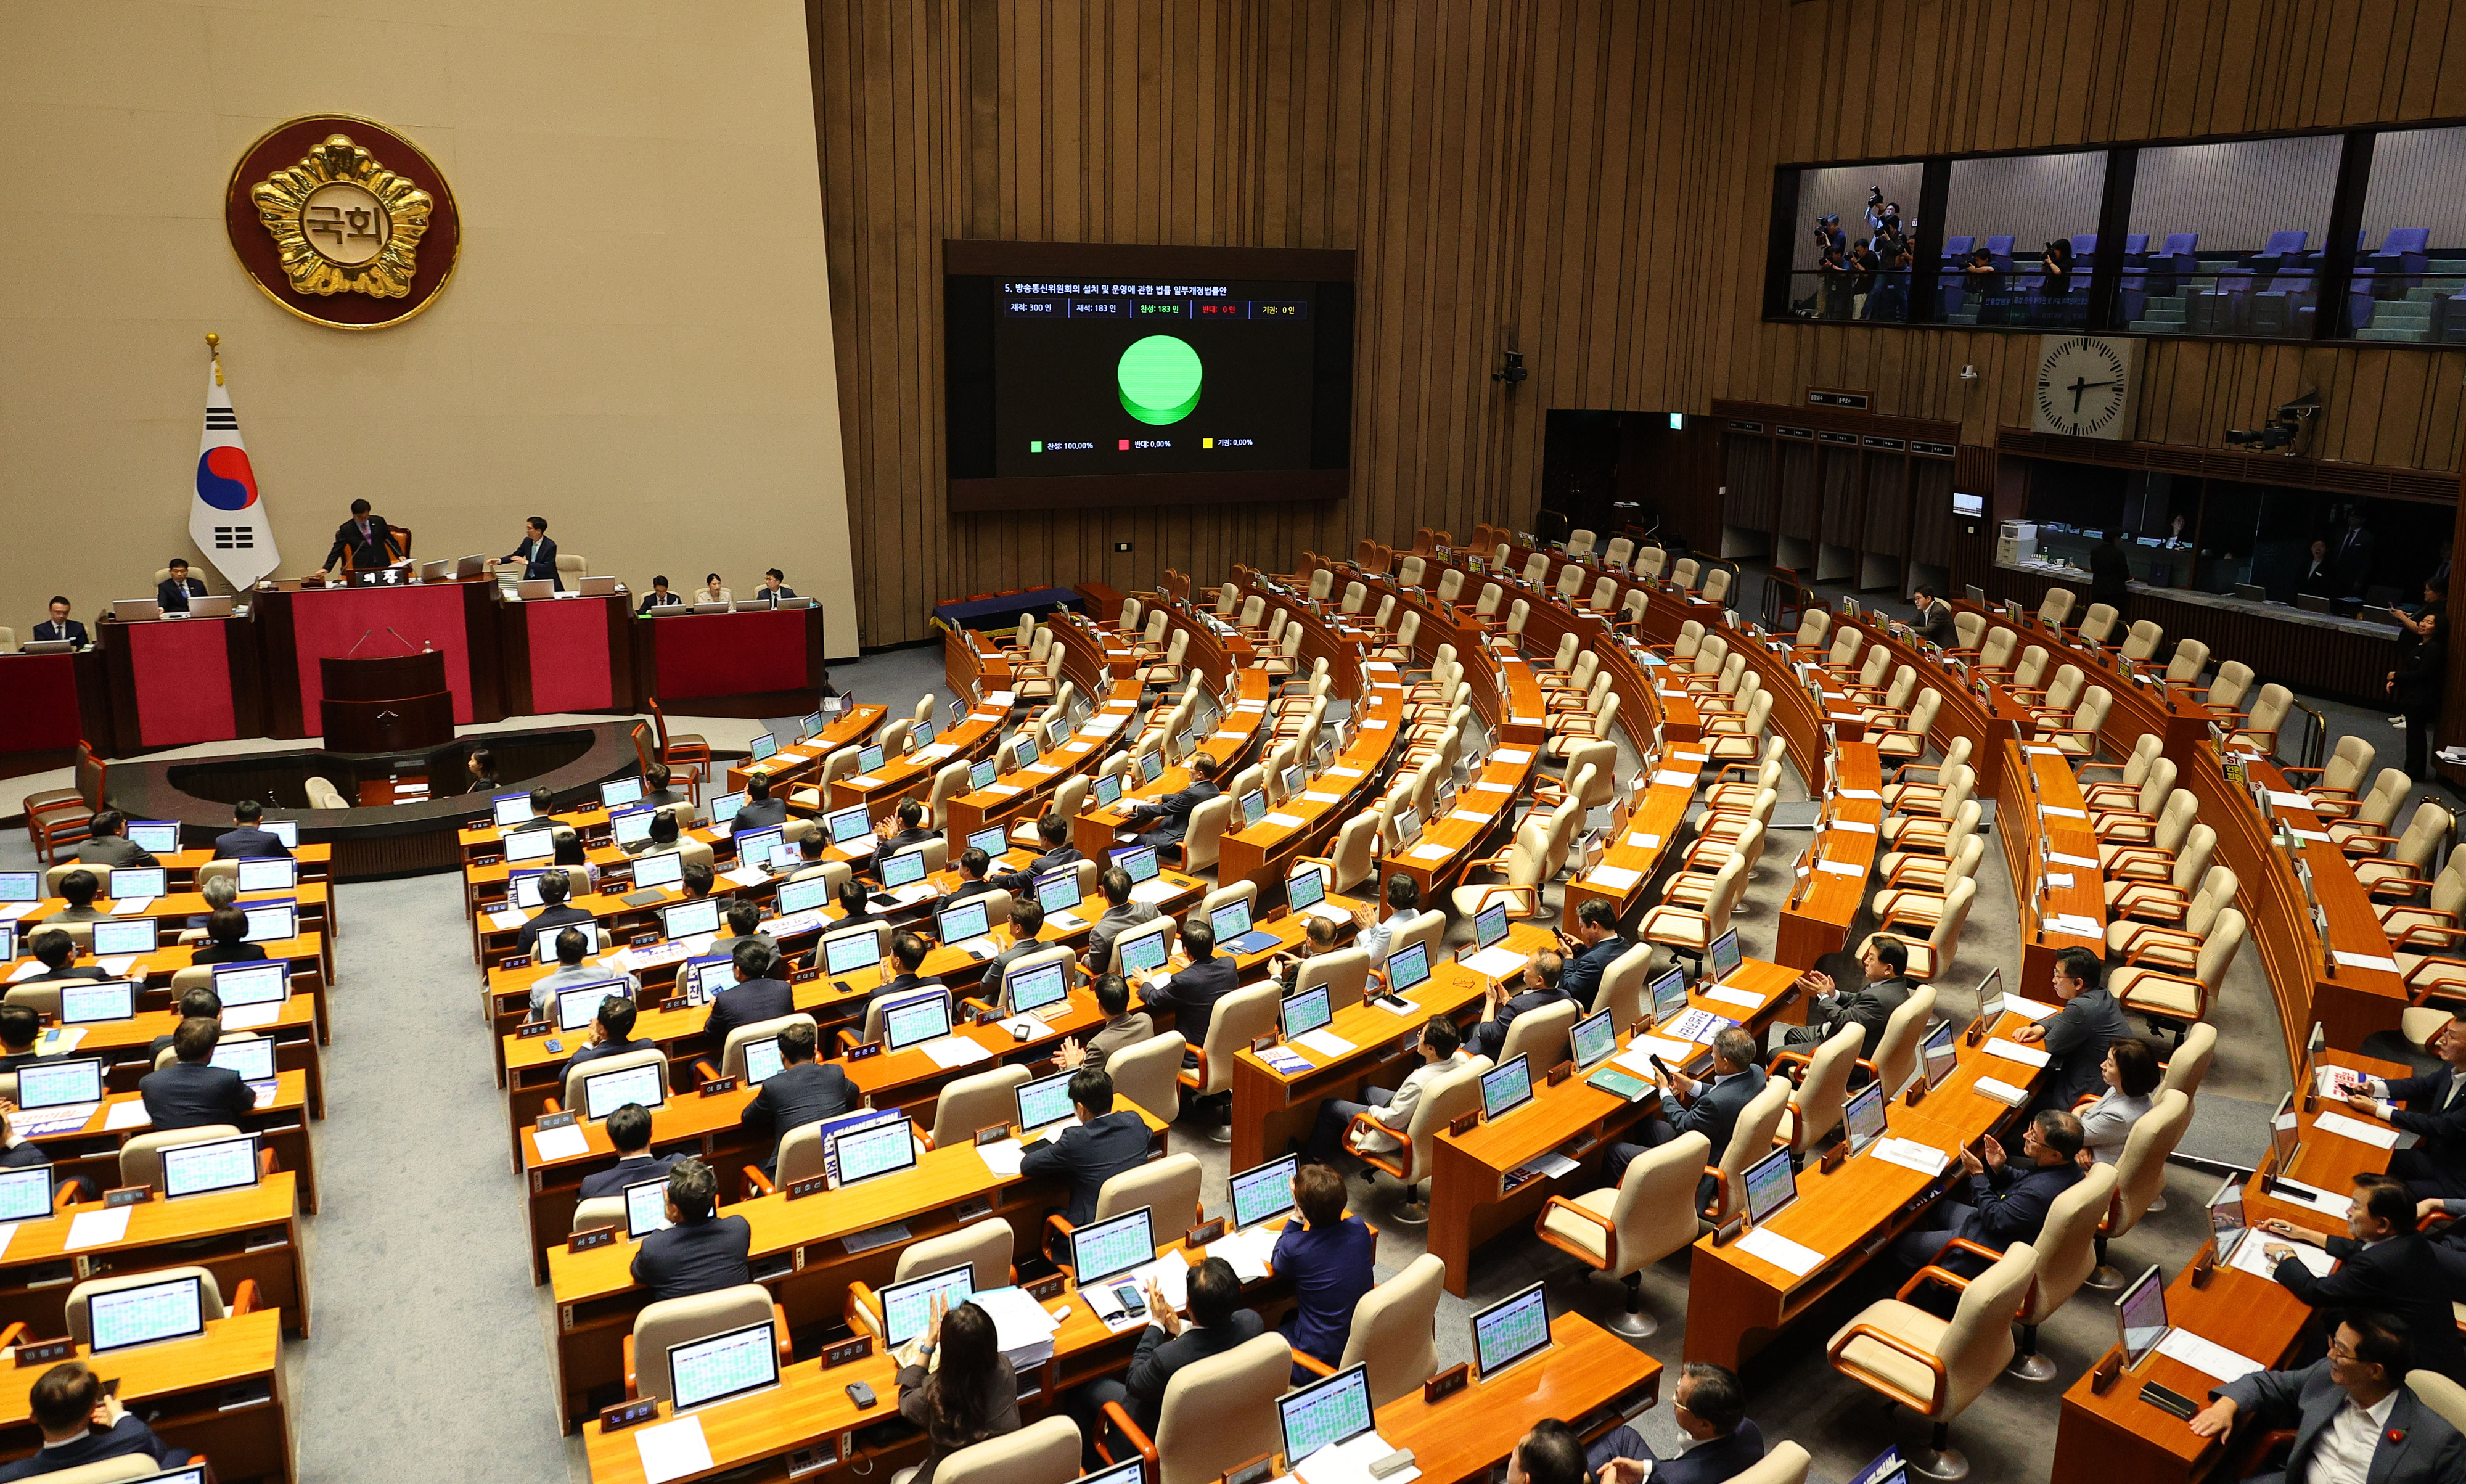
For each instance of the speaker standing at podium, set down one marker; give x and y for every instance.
(364, 541)
(537, 553)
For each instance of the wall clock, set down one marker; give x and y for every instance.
(2088, 386)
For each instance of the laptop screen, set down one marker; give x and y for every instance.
(621, 791)
(2140, 1316)
(960, 923)
(724, 807)
(1143, 953)
(765, 745)
(846, 824)
(690, 919)
(1990, 1000)
(646, 1208)
(59, 1082)
(277, 872)
(797, 896)
(992, 841)
(1101, 1250)
(762, 1061)
(1033, 989)
(1724, 957)
(865, 1154)
(914, 1022)
(26, 1195)
(1023, 749)
(580, 1006)
(1771, 1184)
(85, 1002)
(628, 825)
(604, 1092)
(908, 1308)
(1304, 890)
(1109, 790)
(1292, 781)
(286, 830)
(1231, 920)
(1046, 1100)
(237, 984)
(155, 837)
(809, 726)
(982, 772)
(1304, 1012)
(1506, 1088)
(511, 808)
(1264, 1192)
(1058, 892)
(20, 886)
(1489, 924)
(850, 952)
(1409, 968)
(201, 1169)
(1593, 1039)
(8, 941)
(733, 1364)
(1140, 860)
(250, 1056)
(1326, 1412)
(1510, 1329)
(904, 869)
(130, 883)
(170, 1310)
(1864, 1116)
(754, 846)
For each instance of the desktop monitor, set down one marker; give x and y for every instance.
(754, 846)
(173, 1309)
(736, 1363)
(286, 830)
(1151, 766)
(1109, 790)
(26, 1195)
(908, 1308)
(21, 886)
(1513, 1329)
(1722, 958)
(237, 985)
(1107, 1248)
(982, 772)
(130, 882)
(580, 1006)
(1058, 892)
(59, 1082)
(960, 923)
(762, 1061)
(1490, 925)
(250, 1056)
(724, 808)
(1670, 997)
(922, 735)
(117, 936)
(272, 922)
(858, 1155)
(1507, 1087)
(2285, 1136)
(8, 941)
(529, 845)
(851, 952)
(915, 1021)
(510, 808)
(1408, 969)
(847, 825)
(868, 757)
(809, 726)
(1140, 860)
(1326, 1412)
(1292, 781)
(1264, 1192)
(603, 1092)
(690, 919)
(522, 888)
(1864, 1117)
(202, 1169)
(1408, 827)
(992, 841)
(279, 872)
(2140, 1316)
(1030, 990)
(1301, 1014)
(664, 869)
(1145, 953)
(88, 1002)
(904, 869)
(1771, 1184)
(1230, 921)
(1024, 749)
(1990, 1000)
(155, 837)
(1044, 1101)
(1593, 1039)
(765, 745)
(646, 1208)
(797, 896)
(1940, 1054)
(616, 793)
(626, 826)
(1305, 889)
(1253, 806)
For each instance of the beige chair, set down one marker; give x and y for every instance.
(1936, 1367)
(1814, 1110)
(2140, 1176)
(1445, 1099)
(1199, 845)
(1045, 1451)
(1355, 858)
(572, 1088)
(141, 1159)
(106, 1470)
(1395, 1331)
(1622, 1231)
(1783, 1463)
(2432, 1389)
(1622, 988)
(53, 877)
(1148, 1074)
(597, 1212)
(1896, 1055)
(1541, 1035)
(1216, 1414)
(1240, 1019)
(985, 1245)
(1345, 972)
(2067, 1249)
(975, 1102)
(2180, 1000)
(210, 1300)
(2056, 607)
(677, 1321)
(1751, 1139)
(2190, 1065)
(1169, 1187)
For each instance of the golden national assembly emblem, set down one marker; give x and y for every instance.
(342, 221)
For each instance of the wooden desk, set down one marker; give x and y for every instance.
(2042, 799)
(1833, 882)
(93, 1149)
(174, 910)
(180, 869)
(1631, 860)
(1590, 1378)
(239, 1234)
(802, 762)
(186, 1381)
(154, 972)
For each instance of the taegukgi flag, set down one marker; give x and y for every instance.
(228, 520)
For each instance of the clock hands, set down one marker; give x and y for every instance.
(2083, 384)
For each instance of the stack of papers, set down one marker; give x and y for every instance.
(1495, 962)
(1697, 1024)
(1613, 878)
(2250, 1257)
(1644, 842)
(506, 921)
(1021, 1326)
(1667, 779)
(1349, 1463)
(1325, 1042)
(2201, 1355)
(1432, 852)
(1841, 868)
(948, 1051)
(1781, 1251)
(1737, 997)
(2002, 1091)
(1910, 1154)
(1248, 1251)
(96, 1229)
(1282, 821)
(2014, 1052)
(672, 1450)
(748, 876)
(131, 1115)
(2378, 961)
(1003, 1156)
(565, 1143)
(1285, 1062)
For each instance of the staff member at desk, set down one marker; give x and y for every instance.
(2076, 1036)
(82, 1425)
(226, 939)
(60, 626)
(193, 1092)
(107, 843)
(361, 543)
(172, 594)
(658, 597)
(481, 766)
(775, 587)
(1709, 1108)
(2384, 1266)
(712, 593)
(1327, 1254)
(629, 1128)
(1102, 1144)
(1934, 621)
(248, 839)
(2008, 1202)
(802, 1092)
(2436, 1165)
(700, 1252)
(537, 553)
(2353, 1417)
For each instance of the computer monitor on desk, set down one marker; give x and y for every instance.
(1724, 957)
(1940, 1055)
(908, 1308)
(26, 1195)
(173, 1309)
(1505, 1088)
(130, 883)
(2141, 1317)
(276, 872)
(1670, 997)
(1106, 1249)
(1593, 1039)
(1863, 1116)
(960, 923)
(156, 837)
(1771, 1185)
(736, 1363)
(1264, 1192)
(1326, 1413)
(1042, 1102)
(1516, 1328)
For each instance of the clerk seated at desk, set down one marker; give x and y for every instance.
(173, 592)
(1934, 621)
(481, 766)
(2076, 1036)
(1122, 1027)
(554, 912)
(82, 1425)
(629, 1128)
(1391, 1112)
(758, 995)
(700, 1251)
(20, 1028)
(193, 1092)
(2436, 1166)
(2384, 1266)
(775, 587)
(658, 597)
(247, 839)
(1499, 1008)
(58, 953)
(107, 843)
(80, 889)
(1196, 988)
(571, 972)
(2354, 1418)
(1218, 1323)
(226, 939)
(761, 811)
(612, 1032)
(2007, 1201)
(536, 552)
(910, 830)
(60, 626)
(802, 1092)
(1102, 1144)
(1709, 1108)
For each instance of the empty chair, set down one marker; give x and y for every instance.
(2140, 642)
(1814, 1110)
(2180, 1000)
(1622, 1231)
(2097, 624)
(1045, 1452)
(2190, 1064)
(1149, 1073)
(1936, 1367)
(2191, 657)
(677, 1321)
(2055, 607)
(2337, 784)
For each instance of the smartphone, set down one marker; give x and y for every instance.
(111, 1387)
(1669, 1078)
(1128, 1297)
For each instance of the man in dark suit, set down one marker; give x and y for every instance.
(172, 594)
(226, 939)
(1196, 987)
(1218, 1323)
(1102, 1144)
(2436, 1166)
(1934, 621)
(58, 951)
(1168, 819)
(60, 626)
(910, 830)
(906, 955)
(2384, 1266)
(1121, 914)
(756, 996)
(554, 912)
(1053, 833)
(2350, 555)
(1026, 921)
(192, 1093)
(20, 1028)
(802, 1092)
(1709, 1108)
(248, 840)
(364, 541)
(2110, 571)
(612, 1032)
(1541, 983)
(82, 1425)
(761, 811)
(1868, 1004)
(775, 587)
(1591, 950)
(2352, 1414)
(2076, 1036)
(1712, 1411)
(107, 843)
(976, 868)
(629, 1128)
(2007, 1200)
(537, 553)
(700, 1251)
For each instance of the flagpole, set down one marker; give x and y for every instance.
(214, 347)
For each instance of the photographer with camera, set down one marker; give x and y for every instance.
(1891, 300)
(1980, 277)
(1864, 264)
(1883, 218)
(2055, 262)
(1832, 279)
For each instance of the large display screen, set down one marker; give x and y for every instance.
(1082, 374)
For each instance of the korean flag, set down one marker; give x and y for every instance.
(228, 520)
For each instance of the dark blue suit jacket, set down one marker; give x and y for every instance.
(539, 560)
(49, 632)
(1715, 1113)
(695, 1257)
(1581, 979)
(592, 1053)
(2401, 1276)
(248, 842)
(2077, 1037)
(2443, 1129)
(2011, 1204)
(746, 1003)
(632, 1170)
(1159, 1358)
(1330, 1270)
(129, 1436)
(1192, 996)
(1490, 1036)
(191, 1094)
(1090, 1154)
(548, 921)
(806, 1093)
(1715, 1461)
(1176, 809)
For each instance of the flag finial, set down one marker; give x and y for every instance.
(214, 347)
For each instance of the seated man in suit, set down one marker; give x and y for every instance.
(2076, 1036)
(1442, 1048)
(697, 880)
(2384, 1266)
(1102, 1144)
(775, 587)
(758, 995)
(2352, 1414)
(572, 972)
(2436, 1165)
(910, 829)
(107, 843)
(58, 951)
(1026, 921)
(197, 1002)
(362, 542)
(20, 1028)
(1870, 1004)
(856, 903)
(536, 552)
(658, 597)
(1318, 936)
(226, 939)
(193, 1092)
(1218, 1323)
(761, 811)
(1722, 1443)
(1590, 951)
(700, 1251)
(629, 1128)
(79, 889)
(82, 1425)
(657, 791)
(809, 850)
(1120, 914)
(2007, 1200)
(1121, 1029)
(974, 868)
(1709, 1108)
(1167, 820)
(612, 1032)
(1934, 621)
(554, 912)
(247, 839)
(60, 626)
(1505, 1001)
(1053, 833)
(802, 1092)
(1196, 987)
(173, 592)
(744, 919)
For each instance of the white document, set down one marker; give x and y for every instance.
(2036, 750)
(2366, 961)
(1668, 778)
(2326, 1202)
(948, 1051)
(1494, 788)
(1644, 842)
(861, 781)
(1740, 998)
(1248, 1251)
(933, 753)
(509, 920)
(1841, 868)
(672, 1450)
(2062, 812)
(1325, 1042)
(1640, 1051)
(1066, 920)
(63, 1039)
(2014, 1052)
(1316, 796)
(1510, 754)
(2356, 1129)
(748, 876)
(28, 970)
(2075, 924)
(1003, 1156)
(1468, 816)
(1860, 793)
(130, 1115)
(1613, 878)
(2002, 1091)
(2284, 800)
(1495, 962)
(1432, 852)
(1780, 1251)
(251, 1017)
(1282, 821)
(1001, 790)
(1699, 1024)
(1555, 1164)
(2085, 863)
(1001, 698)
(1344, 773)
(7, 1230)
(1153, 891)
(2023, 1004)
(117, 968)
(2249, 1256)
(130, 907)
(1349, 1463)
(96, 1229)
(2203, 1355)
(1170, 1274)
(1912, 1155)
(565, 1143)
(2058, 879)
(2314, 836)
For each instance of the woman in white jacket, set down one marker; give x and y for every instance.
(2131, 1075)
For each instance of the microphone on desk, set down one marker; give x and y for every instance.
(355, 648)
(406, 643)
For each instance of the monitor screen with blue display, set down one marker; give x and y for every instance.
(664, 870)
(960, 923)
(851, 952)
(1144, 952)
(1513, 1328)
(1058, 892)
(1669, 996)
(1033, 989)
(130, 883)
(908, 1308)
(155, 837)
(982, 772)
(1592, 1037)
(865, 1154)
(690, 919)
(252, 983)
(1326, 1412)
(1722, 958)
(765, 745)
(1408, 969)
(119, 936)
(904, 869)
(914, 1022)
(1264, 1192)
(1044, 1101)
(724, 808)
(1771, 1184)
(618, 792)
(1140, 860)
(279, 872)
(847, 825)
(1305, 1012)
(868, 758)
(1305, 889)
(1103, 1249)
(1506, 1088)
(628, 825)
(797, 896)
(510, 808)
(991, 840)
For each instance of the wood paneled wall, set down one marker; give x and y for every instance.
(1586, 181)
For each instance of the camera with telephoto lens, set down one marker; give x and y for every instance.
(1875, 196)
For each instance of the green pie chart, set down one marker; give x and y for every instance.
(1158, 379)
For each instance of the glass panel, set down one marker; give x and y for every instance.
(2410, 283)
(2019, 233)
(2226, 239)
(1853, 259)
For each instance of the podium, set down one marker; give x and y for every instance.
(391, 704)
